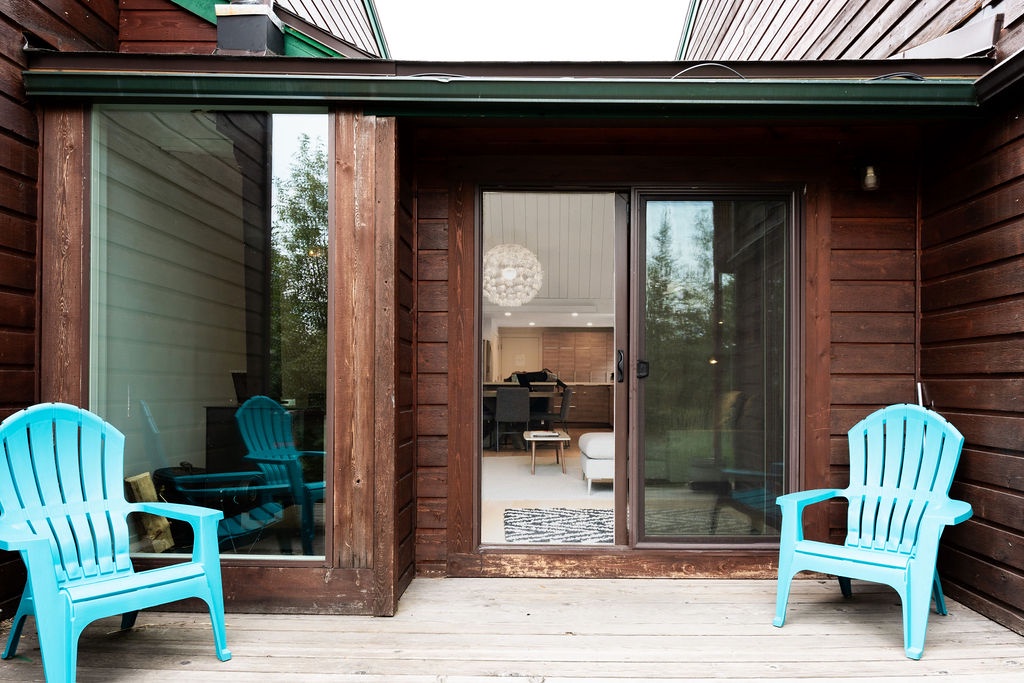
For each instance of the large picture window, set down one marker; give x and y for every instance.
(208, 317)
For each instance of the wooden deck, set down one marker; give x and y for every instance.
(557, 630)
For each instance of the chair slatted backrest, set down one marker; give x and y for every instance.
(62, 476)
(266, 429)
(902, 459)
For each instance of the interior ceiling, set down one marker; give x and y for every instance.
(572, 234)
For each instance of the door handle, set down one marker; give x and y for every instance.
(643, 369)
(620, 365)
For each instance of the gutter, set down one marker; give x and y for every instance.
(851, 90)
(453, 95)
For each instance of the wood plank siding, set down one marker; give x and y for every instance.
(53, 24)
(859, 330)
(761, 30)
(162, 27)
(972, 350)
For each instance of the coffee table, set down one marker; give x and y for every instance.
(556, 436)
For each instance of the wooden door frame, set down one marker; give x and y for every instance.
(465, 557)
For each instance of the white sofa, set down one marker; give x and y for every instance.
(597, 457)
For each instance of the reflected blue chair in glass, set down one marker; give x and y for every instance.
(902, 461)
(266, 429)
(63, 508)
(254, 510)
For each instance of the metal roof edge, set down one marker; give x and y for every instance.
(1005, 77)
(378, 30)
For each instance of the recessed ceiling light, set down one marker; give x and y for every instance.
(590, 324)
(508, 313)
(575, 314)
(532, 324)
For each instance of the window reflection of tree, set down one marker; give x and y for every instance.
(299, 275)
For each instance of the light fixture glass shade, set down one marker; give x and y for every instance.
(512, 275)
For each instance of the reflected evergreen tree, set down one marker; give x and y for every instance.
(679, 339)
(299, 276)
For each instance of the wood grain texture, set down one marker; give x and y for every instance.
(571, 631)
(972, 351)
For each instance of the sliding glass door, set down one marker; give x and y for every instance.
(711, 365)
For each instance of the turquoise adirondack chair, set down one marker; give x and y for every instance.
(902, 461)
(266, 429)
(62, 506)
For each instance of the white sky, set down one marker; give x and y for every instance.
(532, 30)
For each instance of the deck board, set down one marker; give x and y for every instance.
(557, 631)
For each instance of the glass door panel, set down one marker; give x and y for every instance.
(712, 343)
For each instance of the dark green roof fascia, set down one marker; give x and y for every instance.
(550, 97)
(298, 44)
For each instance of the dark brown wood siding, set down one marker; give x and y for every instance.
(405, 387)
(833, 29)
(873, 303)
(55, 24)
(972, 350)
(162, 27)
(859, 270)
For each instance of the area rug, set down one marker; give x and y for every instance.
(558, 525)
(589, 525)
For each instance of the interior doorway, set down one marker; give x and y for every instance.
(548, 315)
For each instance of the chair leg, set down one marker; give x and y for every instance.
(916, 606)
(781, 599)
(844, 586)
(58, 648)
(940, 601)
(306, 527)
(24, 609)
(128, 620)
(782, 592)
(220, 638)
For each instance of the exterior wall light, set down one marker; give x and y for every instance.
(870, 180)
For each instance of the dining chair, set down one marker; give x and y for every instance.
(547, 418)
(511, 413)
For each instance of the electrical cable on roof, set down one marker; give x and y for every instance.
(719, 64)
(910, 76)
(439, 76)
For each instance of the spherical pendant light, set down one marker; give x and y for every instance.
(512, 275)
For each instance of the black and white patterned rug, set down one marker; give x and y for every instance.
(590, 525)
(558, 525)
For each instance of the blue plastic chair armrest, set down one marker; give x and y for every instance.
(180, 511)
(20, 537)
(317, 454)
(800, 499)
(949, 512)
